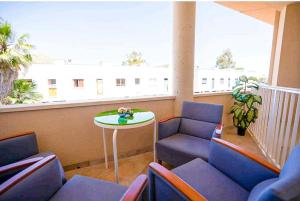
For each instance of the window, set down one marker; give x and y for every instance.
(166, 84)
(137, 81)
(52, 92)
(28, 80)
(213, 83)
(204, 81)
(229, 84)
(120, 82)
(78, 83)
(51, 81)
(221, 81)
(99, 83)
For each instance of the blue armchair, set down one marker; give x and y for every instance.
(231, 174)
(42, 181)
(21, 147)
(182, 139)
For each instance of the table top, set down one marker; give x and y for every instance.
(112, 118)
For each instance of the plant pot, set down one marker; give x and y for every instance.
(241, 131)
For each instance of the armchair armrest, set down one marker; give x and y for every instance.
(16, 135)
(136, 189)
(168, 127)
(240, 165)
(171, 180)
(18, 147)
(31, 170)
(19, 165)
(218, 131)
(10, 170)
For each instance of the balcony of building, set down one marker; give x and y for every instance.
(67, 128)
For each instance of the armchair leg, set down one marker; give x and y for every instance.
(159, 162)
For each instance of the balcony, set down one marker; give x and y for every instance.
(67, 128)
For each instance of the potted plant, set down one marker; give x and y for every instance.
(244, 110)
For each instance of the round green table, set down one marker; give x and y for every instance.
(112, 120)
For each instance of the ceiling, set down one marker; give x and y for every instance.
(264, 11)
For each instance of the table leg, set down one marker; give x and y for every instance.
(154, 140)
(104, 146)
(115, 148)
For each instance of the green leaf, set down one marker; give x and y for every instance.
(243, 78)
(250, 115)
(252, 86)
(237, 112)
(250, 101)
(235, 122)
(243, 124)
(241, 116)
(257, 99)
(236, 91)
(255, 113)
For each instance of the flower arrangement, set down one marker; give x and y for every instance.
(125, 112)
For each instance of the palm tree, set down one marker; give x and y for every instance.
(14, 55)
(23, 92)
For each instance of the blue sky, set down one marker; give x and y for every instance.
(107, 31)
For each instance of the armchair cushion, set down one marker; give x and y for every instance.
(262, 192)
(180, 148)
(202, 111)
(286, 187)
(17, 148)
(61, 169)
(36, 183)
(84, 188)
(168, 127)
(197, 128)
(210, 182)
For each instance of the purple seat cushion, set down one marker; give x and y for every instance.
(180, 148)
(81, 188)
(210, 182)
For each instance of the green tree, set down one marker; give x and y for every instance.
(225, 61)
(23, 92)
(14, 55)
(134, 59)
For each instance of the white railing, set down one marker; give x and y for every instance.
(276, 130)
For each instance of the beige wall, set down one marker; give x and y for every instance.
(71, 134)
(286, 71)
(223, 99)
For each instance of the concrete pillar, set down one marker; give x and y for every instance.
(286, 71)
(183, 52)
(274, 43)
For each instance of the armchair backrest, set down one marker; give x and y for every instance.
(200, 119)
(38, 182)
(17, 148)
(286, 187)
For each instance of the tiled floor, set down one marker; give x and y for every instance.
(130, 168)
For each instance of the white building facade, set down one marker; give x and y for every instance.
(63, 81)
